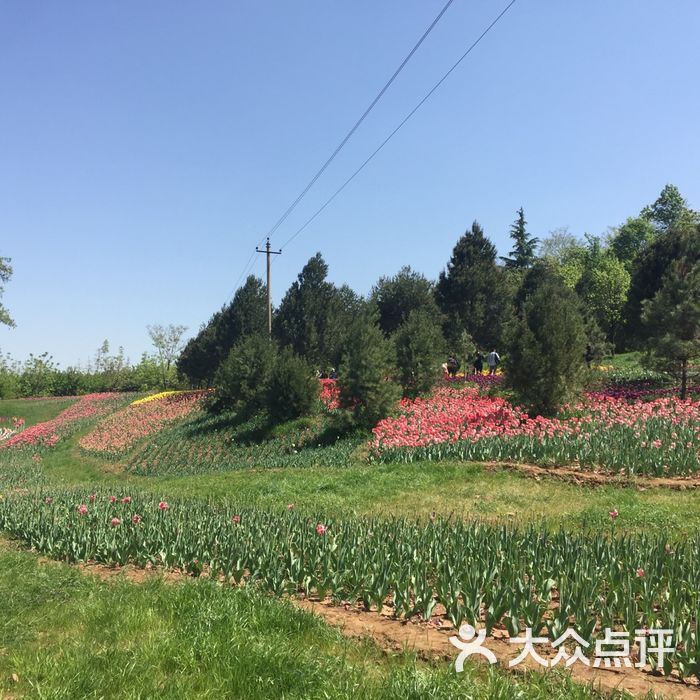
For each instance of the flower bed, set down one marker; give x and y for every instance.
(48, 433)
(659, 437)
(488, 575)
(117, 433)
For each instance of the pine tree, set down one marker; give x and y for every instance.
(367, 390)
(672, 318)
(420, 349)
(314, 315)
(524, 246)
(473, 291)
(546, 347)
(396, 297)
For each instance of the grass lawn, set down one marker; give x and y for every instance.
(414, 490)
(34, 410)
(67, 635)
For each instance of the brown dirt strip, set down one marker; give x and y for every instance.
(592, 478)
(430, 640)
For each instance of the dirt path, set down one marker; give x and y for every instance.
(430, 641)
(589, 478)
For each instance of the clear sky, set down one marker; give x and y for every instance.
(146, 147)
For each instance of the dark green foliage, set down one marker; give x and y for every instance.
(314, 315)
(650, 269)
(473, 291)
(246, 315)
(292, 389)
(669, 210)
(367, 389)
(672, 320)
(396, 297)
(241, 381)
(546, 346)
(420, 349)
(524, 245)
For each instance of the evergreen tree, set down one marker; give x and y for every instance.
(524, 246)
(292, 389)
(420, 349)
(242, 379)
(473, 292)
(314, 315)
(396, 297)
(244, 316)
(546, 347)
(368, 392)
(681, 241)
(672, 318)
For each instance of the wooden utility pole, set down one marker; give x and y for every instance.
(268, 253)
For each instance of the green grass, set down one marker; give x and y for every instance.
(33, 410)
(67, 635)
(459, 489)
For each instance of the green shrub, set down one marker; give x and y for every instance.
(367, 390)
(242, 379)
(292, 389)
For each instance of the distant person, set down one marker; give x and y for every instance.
(452, 366)
(478, 362)
(493, 360)
(332, 374)
(589, 356)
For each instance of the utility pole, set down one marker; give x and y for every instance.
(268, 253)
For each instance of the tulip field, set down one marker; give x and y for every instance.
(121, 430)
(495, 576)
(660, 437)
(500, 575)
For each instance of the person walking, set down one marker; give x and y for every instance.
(478, 362)
(492, 360)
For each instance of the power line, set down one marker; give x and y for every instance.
(401, 124)
(293, 205)
(249, 264)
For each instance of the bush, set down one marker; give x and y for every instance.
(292, 389)
(242, 379)
(367, 390)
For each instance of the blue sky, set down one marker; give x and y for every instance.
(145, 148)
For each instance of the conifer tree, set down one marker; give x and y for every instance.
(546, 346)
(368, 391)
(473, 291)
(672, 318)
(524, 245)
(420, 350)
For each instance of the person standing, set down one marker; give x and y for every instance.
(492, 360)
